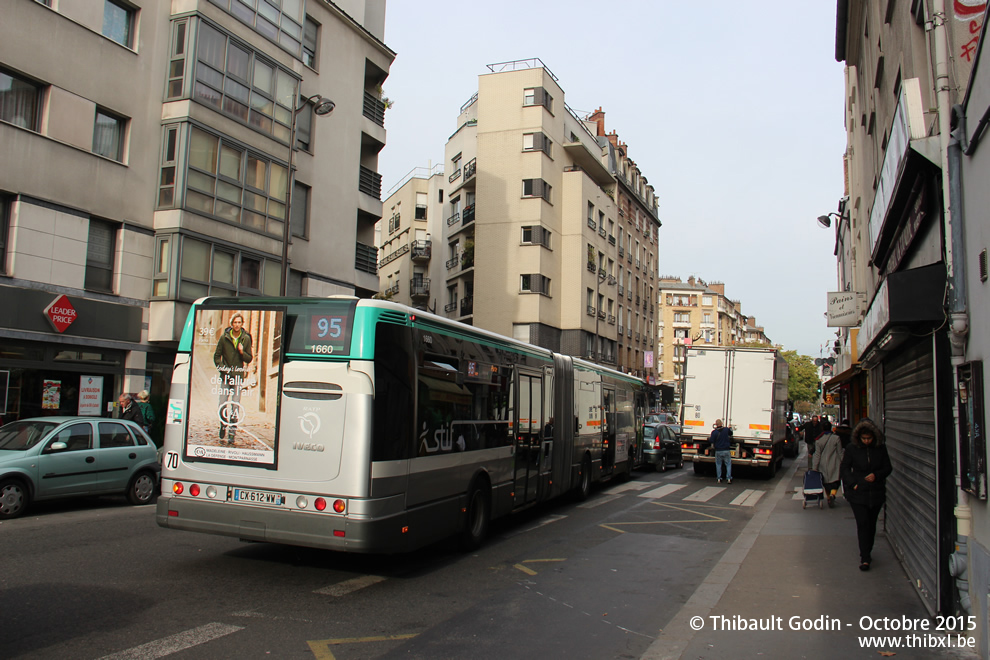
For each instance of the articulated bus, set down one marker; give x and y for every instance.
(367, 426)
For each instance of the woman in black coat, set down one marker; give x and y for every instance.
(865, 468)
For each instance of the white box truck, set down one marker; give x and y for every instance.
(747, 389)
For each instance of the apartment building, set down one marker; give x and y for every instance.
(148, 163)
(905, 357)
(533, 221)
(698, 313)
(413, 216)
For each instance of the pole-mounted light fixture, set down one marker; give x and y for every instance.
(321, 107)
(826, 220)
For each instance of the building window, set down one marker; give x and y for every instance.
(5, 205)
(265, 17)
(537, 142)
(536, 235)
(163, 263)
(536, 188)
(108, 135)
(118, 21)
(420, 212)
(304, 126)
(20, 100)
(234, 80)
(208, 269)
(534, 283)
(177, 61)
(99, 256)
(231, 183)
(311, 31)
(166, 182)
(706, 301)
(538, 96)
(299, 213)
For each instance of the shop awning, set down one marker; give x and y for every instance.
(842, 378)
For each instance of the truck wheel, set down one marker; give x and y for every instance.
(771, 470)
(699, 468)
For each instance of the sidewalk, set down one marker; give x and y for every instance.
(804, 563)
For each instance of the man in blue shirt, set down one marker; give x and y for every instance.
(721, 440)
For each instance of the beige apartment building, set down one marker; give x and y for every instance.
(413, 216)
(698, 313)
(549, 232)
(147, 163)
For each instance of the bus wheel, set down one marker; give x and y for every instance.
(479, 513)
(584, 485)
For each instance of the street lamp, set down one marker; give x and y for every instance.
(322, 106)
(826, 220)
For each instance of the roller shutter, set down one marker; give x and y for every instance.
(912, 492)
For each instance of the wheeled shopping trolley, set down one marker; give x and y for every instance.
(814, 489)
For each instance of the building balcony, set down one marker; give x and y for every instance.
(592, 224)
(591, 267)
(392, 256)
(450, 307)
(591, 310)
(467, 306)
(422, 250)
(622, 291)
(392, 290)
(602, 232)
(453, 262)
(419, 287)
(622, 251)
(601, 314)
(374, 108)
(468, 215)
(611, 319)
(370, 183)
(453, 177)
(470, 168)
(454, 219)
(611, 280)
(611, 239)
(365, 258)
(621, 330)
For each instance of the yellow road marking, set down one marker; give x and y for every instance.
(708, 518)
(524, 569)
(321, 647)
(530, 571)
(532, 561)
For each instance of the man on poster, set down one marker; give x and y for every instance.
(231, 357)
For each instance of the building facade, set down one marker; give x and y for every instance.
(903, 359)
(148, 164)
(413, 216)
(533, 222)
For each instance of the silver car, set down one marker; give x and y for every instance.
(47, 458)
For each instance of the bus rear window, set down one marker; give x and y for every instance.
(323, 329)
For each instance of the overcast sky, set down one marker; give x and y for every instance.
(732, 110)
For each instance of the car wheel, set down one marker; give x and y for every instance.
(662, 465)
(14, 498)
(141, 489)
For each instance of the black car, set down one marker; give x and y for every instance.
(661, 447)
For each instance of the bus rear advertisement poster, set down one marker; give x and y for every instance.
(234, 385)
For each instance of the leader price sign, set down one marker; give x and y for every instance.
(61, 313)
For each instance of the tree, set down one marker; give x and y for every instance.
(802, 383)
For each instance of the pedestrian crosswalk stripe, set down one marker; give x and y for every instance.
(598, 501)
(666, 489)
(798, 494)
(704, 494)
(748, 497)
(631, 485)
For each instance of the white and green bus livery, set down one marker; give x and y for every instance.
(367, 426)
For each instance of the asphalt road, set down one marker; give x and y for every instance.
(99, 579)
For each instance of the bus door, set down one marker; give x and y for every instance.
(608, 428)
(528, 431)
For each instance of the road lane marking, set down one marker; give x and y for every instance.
(525, 569)
(598, 501)
(630, 485)
(349, 586)
(175, 643)
(748, 497)
(705, 494)
(663, 490)
(321, 647)
(545, 521)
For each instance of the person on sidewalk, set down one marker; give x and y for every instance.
(828, 459)
(721, 441)
(811, 430)
(864, 469)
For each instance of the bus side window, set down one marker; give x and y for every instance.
(392, 435)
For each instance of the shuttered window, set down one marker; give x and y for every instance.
(99, 256)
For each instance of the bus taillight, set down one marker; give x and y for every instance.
(320, 504)
(177, 488)
(194, 490)
(338, 506)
